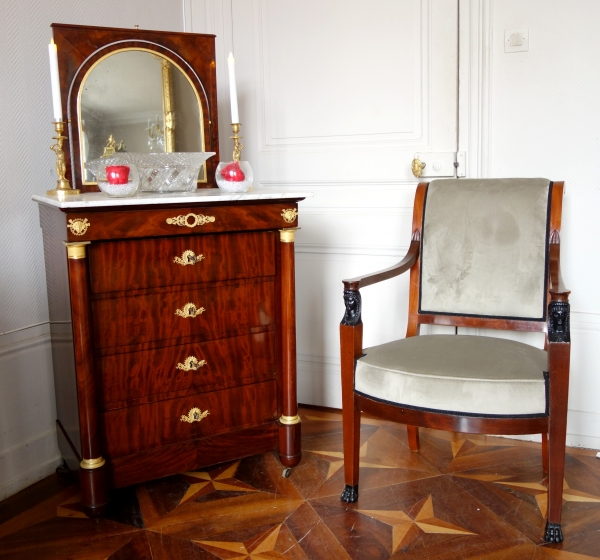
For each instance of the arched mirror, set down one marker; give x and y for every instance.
(135, 100)
(137, 91)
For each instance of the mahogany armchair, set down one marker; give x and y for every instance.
(484, 253)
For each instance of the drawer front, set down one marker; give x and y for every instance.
(123, 379)
(138, 428)
(208, 313)
(188, 220)
(154, 263)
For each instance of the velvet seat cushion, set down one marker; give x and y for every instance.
(474, 375)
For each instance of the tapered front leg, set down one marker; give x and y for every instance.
(94, 491)
(289, 424)
(351, 349)
(559, 352)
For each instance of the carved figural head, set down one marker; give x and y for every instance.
(353, 303)
(558, 322)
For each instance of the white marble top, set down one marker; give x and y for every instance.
(95, 200)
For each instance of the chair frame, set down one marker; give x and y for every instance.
(556, 327)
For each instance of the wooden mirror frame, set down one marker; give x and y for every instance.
(80, 47)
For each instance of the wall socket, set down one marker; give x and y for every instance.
(516, 40)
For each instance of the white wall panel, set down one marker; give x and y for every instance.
(535, 114)
(322, 89)
(336, 95)
(27, 431)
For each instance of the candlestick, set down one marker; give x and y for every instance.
(235, 118)
(63, 187)
(54, 80)
(237, 145)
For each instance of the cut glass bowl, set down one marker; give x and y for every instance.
(170, 172)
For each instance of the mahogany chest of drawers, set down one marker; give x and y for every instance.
(173, 333)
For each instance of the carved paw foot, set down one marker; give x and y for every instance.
(350, 494)
(553, 533)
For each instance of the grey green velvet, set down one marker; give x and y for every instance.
(459, 373)
(484, 247)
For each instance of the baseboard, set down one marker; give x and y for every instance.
(319, 382)
(20, 466)
(28, 446)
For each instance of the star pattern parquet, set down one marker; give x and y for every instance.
(472, 497)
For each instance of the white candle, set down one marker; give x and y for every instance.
(56, 103)
(235, 118)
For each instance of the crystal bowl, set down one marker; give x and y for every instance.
(174, 171)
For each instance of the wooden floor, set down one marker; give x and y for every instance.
(462, 497)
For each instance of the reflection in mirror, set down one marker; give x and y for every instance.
(137, 101)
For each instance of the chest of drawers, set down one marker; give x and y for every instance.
(173, 333)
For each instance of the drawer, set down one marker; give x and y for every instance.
(124, 379)
(143, 427)
(153, 263)
(184, 220)
(227, 310)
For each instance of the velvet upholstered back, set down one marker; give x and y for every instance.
(485, 248)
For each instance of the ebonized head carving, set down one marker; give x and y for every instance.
(558, 322)
(353, 303)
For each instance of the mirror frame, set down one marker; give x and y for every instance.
(81, 47)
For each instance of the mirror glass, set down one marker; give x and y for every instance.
(136, 100)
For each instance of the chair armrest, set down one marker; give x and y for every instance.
(352, 297)
(355, 284)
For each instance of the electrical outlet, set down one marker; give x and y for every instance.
(516, 40)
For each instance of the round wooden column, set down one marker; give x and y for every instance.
(289, 424)
(94, 492)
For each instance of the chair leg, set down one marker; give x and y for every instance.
(556, 473)
(413, 438)
(351, 424)
(557, 434)
(351, 348)
(545, 454)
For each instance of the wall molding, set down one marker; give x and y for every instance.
(419, 137)
(351, 250)
(475, 65)
(585, 322)
(25, 339)
(343, 183)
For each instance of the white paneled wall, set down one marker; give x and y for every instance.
(523, 114)
(28, 449)
(535, 114)
(335, 99)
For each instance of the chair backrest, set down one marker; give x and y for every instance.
(484, 248)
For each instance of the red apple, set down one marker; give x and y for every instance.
(233, 172)
(117, 174)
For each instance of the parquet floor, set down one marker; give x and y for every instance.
(460, 498)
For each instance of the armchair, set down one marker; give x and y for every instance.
(484, 253)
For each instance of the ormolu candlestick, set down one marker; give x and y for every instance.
(63, 187)
(237, 145)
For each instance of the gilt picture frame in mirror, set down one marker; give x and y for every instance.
(132, 90)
